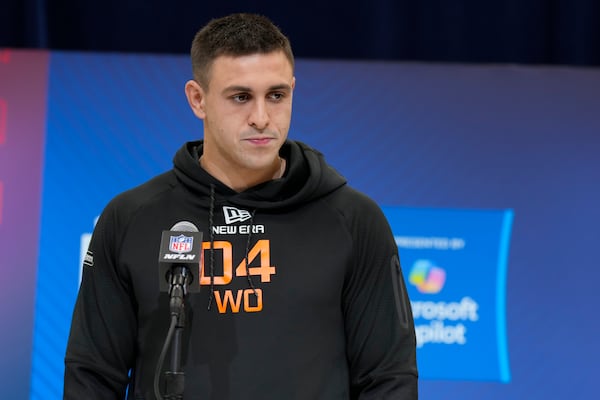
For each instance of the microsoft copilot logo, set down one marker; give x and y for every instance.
(455, 261)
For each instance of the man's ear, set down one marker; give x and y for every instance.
(195, 97)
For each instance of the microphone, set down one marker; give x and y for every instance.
(179, 259)
(178, 273)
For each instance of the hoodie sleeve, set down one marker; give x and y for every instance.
(101, 345)
(381, 344)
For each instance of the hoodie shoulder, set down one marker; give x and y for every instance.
(147, 191)
(350, 201)
(126, 204)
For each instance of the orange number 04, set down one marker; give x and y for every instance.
(261, 250)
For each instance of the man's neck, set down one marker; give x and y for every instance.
(240, 180)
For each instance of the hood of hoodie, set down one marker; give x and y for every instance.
(307, 177)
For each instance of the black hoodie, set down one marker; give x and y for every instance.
(302, 295)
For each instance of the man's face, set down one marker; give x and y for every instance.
(246, 110)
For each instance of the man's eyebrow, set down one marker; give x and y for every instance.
(283, 86)
(236, 88)
(245, 89)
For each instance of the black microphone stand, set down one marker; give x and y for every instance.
(175, 376)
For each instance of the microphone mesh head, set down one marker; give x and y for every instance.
(184, 226)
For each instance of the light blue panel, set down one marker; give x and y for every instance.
(454, 261)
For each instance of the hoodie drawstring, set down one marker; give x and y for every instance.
(211, 214)
(248, 277)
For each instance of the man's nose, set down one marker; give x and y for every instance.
(259, 116)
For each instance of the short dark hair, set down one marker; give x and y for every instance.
(239, 34)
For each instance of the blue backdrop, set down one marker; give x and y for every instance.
(485, 139)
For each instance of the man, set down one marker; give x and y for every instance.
(301, 295)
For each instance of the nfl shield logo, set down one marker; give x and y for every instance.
(181, 244)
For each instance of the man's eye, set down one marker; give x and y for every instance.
(276, 96)
(240, 98)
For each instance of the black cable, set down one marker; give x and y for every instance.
(163, 353)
